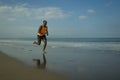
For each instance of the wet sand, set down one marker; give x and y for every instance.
(12, 69)
(93, 61)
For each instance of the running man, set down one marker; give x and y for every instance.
(42, 32)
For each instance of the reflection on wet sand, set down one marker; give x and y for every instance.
(39, 64)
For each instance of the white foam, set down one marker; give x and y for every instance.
(87, 45)
(55, 44)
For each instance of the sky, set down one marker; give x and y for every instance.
(66, 18)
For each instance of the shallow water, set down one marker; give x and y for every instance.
(77, 60)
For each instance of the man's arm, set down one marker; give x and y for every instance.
(39, 30)
(47, 31)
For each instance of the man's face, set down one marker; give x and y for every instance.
(44, 23)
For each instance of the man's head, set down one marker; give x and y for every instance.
(44, 22)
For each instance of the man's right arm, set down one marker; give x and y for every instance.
(39, 30)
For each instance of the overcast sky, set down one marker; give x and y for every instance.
(66, 18)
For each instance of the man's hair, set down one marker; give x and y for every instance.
(44, 21)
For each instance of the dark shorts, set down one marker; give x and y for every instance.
(41, 38)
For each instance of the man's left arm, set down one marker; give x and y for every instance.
(47, 31)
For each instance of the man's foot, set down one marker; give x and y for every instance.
(34, 42)
(35, 59)
(44, 52)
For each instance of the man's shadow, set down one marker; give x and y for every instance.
(39, 64)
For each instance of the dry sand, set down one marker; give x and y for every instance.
(12, 69)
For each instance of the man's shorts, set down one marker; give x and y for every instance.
(41, 38)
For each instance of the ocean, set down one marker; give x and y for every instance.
(76, 58)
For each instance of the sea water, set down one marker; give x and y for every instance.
(77, 58)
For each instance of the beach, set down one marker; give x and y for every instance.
(12, 69)
(74, 60)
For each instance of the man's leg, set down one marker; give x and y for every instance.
(45, 43)
(38, 42)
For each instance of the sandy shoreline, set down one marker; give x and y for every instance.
(12, 69)
(91, 61)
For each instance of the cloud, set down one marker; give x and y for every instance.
(83, 17)
(109, 4)
(91, 11)
(5, 9)
(50, 12)
(12, 13)
(11, 19)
